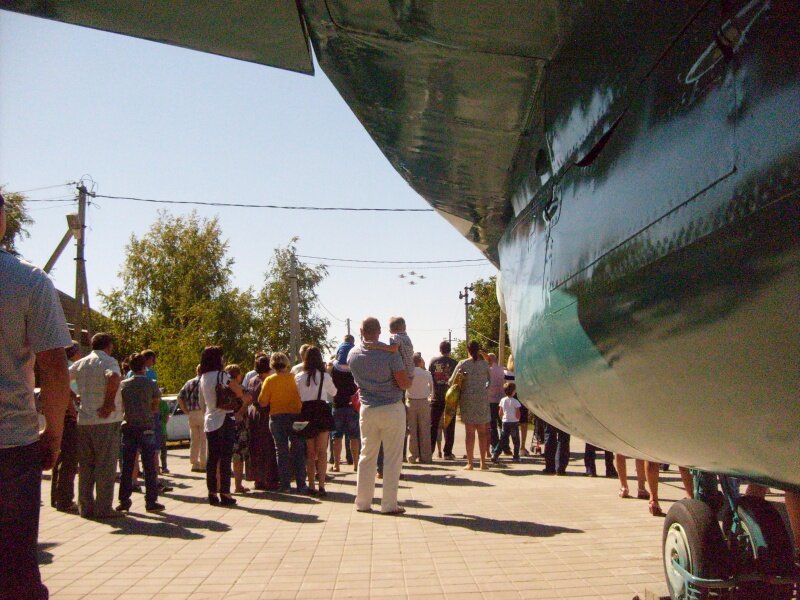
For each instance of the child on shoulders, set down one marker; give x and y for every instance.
(398, 342)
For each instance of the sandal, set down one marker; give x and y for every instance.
(468, 467)
(241, 490)
(643, 495)
(655, 509)
(624, 492)
(335, 468)
(397, 511)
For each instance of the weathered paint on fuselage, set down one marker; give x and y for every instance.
(653, 294)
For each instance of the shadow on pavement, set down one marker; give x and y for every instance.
(280, 514)
(168, 526)
(483, 524)
(339, 497)
(280, 497)
(44, 557)
(184, 498)
(445, 480)
(424, 467)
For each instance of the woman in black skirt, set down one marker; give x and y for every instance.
(315, 385)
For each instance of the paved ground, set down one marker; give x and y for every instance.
(507, 533)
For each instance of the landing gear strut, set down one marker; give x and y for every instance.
(749, 557)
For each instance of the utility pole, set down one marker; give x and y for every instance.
(81, 287)
(348, 325)
(294, 309)
(467, 302)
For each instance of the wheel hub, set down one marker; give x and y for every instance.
(676, 547)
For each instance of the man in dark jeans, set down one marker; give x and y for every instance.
(556, 450)
(62, 483)
(34, 330)
(140, 397)
(441, 369)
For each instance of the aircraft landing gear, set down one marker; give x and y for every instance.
(748, 558)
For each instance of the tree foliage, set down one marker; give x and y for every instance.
(17, 220)
(176, 297)
(273, 302)
(484, 319)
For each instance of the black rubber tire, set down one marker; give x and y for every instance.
(770, 549)
(710, 557)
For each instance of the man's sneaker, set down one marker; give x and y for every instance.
(124, 506)
(450, 456)
(165, 470)
(163, 487)
(155, 507)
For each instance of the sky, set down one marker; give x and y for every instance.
(149, 120)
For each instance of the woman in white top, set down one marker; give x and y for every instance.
(418, 402)
(314, 384)
(218, 425)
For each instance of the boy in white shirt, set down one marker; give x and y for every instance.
(509, 413)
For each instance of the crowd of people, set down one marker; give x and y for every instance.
(271, 425)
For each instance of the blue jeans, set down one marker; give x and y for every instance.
(20, 495)
(143, 440)
(291, 450)
(510, 430)
(556, 449)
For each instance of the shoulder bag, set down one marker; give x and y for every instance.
(226, 398)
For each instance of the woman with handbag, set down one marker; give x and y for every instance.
(221, 396)
(279, 392)
(311, 382)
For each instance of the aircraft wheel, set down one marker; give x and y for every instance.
(764, 547)
(693, 537)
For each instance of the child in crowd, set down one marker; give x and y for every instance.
(509, 412)
(340, 361)
(398, 342)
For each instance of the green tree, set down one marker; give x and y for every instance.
(176, 298)
(484, 319)
(273, 303)
(17, 219)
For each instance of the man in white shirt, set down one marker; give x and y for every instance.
(418, 402)
(99, 419)
(33, 329)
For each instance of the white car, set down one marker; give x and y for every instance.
(178, 424)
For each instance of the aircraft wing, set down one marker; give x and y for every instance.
(269, 33)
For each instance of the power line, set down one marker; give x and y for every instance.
(50, 199)
(395, 262)
(330, 313)
(398, 268)
(46, 187)
(270, 206)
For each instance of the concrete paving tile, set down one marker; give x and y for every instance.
(572, 533)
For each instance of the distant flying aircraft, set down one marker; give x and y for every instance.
(412, 283)
(402, 276)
